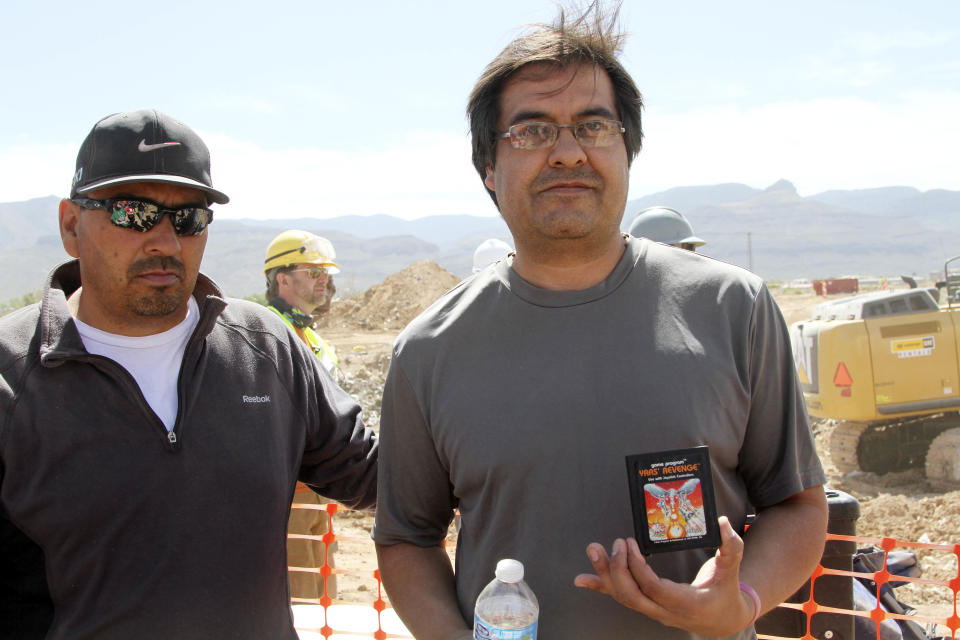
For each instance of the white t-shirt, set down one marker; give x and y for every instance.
(153, 361)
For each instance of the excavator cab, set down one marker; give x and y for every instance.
(950, 282)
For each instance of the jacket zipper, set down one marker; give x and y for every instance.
(128, 379)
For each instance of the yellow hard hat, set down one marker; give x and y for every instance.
(300, 247)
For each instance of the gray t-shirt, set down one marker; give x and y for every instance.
(517, 405)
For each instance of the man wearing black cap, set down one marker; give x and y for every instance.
(152, 432)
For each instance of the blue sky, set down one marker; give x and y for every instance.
(319, 108)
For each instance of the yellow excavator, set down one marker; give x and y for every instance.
(884, 367)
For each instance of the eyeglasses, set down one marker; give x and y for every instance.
(143, 215)
(542, 135)
(313, 272)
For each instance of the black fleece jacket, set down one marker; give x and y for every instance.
(111, 528)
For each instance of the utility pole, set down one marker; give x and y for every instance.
(750, 251)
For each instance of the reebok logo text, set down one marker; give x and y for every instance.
(256, 399)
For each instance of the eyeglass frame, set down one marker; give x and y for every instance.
(325, 271)
(176, 213)
(507, 135)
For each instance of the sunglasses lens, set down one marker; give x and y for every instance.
(143, 216)
(191, 221)
(133, 214)
(317, 272)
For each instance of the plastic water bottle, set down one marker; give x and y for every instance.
(506, 609)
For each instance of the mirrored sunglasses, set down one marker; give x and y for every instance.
(541, 135)
(143, 215)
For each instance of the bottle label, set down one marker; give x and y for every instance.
(484, 631)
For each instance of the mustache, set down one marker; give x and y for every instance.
(157, 263)
(551, 176)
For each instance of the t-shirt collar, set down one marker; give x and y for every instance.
(550, 298)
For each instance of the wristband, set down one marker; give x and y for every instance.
(747, 589)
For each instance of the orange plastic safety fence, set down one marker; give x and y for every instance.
(362, 624)
(878, 615)
(809, 608)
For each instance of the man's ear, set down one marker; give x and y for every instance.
(69, 223)
(490, 181)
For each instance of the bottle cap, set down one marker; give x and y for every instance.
(509, 570)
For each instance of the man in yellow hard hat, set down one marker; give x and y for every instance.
(299, 266)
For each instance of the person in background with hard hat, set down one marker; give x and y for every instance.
(299, 268)
(490, 251)
(666, 225)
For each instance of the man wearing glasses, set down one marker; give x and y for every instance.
(516, 396)
(299, 268)
(152, 431)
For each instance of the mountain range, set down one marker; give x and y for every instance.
(778, 233)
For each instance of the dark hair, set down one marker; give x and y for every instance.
(591, 38)
(273, 288)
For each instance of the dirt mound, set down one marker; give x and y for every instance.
(909, 517)
(394, 302)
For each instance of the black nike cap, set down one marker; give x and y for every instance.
(143, 146)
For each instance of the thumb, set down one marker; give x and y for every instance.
(730, 554)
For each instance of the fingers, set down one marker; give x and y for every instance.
(597, 554)
(625, 586)
(600, 562)
(589, 581)
(661, 595)
(711, 599)
(730, 553)
(641, 572)
(618, 573)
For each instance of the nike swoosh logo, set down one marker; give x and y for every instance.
(144, 147)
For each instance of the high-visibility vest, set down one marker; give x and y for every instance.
(324, 350)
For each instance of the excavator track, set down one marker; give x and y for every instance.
(844, 441)
(898, 445)
(943, 461)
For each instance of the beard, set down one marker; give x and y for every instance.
(161, 301)
(311, 296)
(317, 298)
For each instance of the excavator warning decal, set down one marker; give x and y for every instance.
(913, 348)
